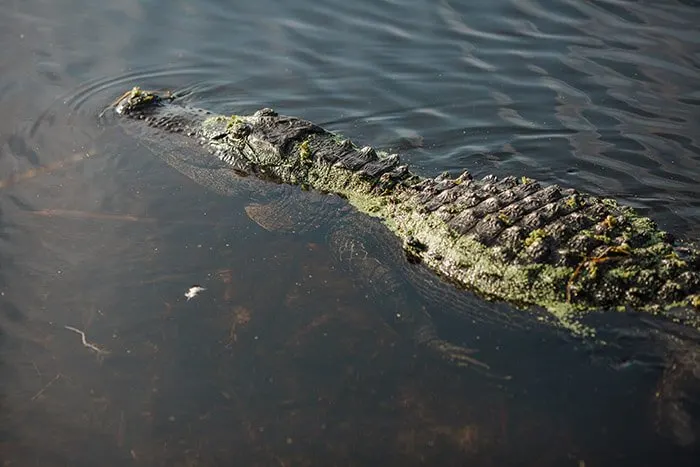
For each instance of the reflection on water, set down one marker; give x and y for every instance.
(284, 359)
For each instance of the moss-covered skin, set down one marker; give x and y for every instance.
(505, 239)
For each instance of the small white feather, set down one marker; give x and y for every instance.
(193, 291)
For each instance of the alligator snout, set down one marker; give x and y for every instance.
(137, 101)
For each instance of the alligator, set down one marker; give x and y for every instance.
(507, 239)
(558, 254)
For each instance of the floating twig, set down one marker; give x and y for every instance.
(48, 385)
(90, 215)
(77, 214)
(33, 172)
(87, 344)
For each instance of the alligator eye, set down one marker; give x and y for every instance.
(241, 131)
(416, 244)
(265, 112)
(413, 249)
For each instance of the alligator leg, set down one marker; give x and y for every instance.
(677, 410)
(373, 256)
(458, 355)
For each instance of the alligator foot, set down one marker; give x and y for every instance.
(461, 357)
(452, 353)
(455, 354)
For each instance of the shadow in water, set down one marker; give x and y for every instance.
(7, 313)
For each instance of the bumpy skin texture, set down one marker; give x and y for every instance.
(505, 239)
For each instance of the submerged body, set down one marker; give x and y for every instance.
(507, 239)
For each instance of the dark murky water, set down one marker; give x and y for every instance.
(283, 360)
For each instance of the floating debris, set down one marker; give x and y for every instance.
(87, 344)
(36, 171)
(193, 291)
(42, 390)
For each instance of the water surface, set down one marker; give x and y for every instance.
(284, 359)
